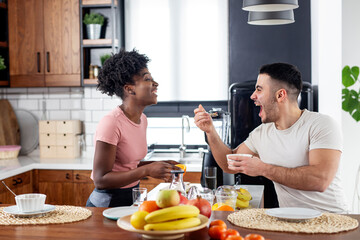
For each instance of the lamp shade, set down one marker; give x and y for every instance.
(271, 18)
(269, 5)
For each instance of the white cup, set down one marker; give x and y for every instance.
(31, 202)
(236, 154)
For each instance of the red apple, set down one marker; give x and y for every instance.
(183, 199)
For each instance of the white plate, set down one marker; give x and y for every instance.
(118, 212)
(13, 210)
(293, 213)
(29, 131)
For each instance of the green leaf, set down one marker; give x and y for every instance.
(355, 72)
(350, 100)
(356, 113)
(347, 77)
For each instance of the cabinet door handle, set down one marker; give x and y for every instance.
(67, 176)
(48, 61)
(19, 180)
(38, 61)
(77, 176)
(15, 182)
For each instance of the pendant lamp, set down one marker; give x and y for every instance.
(269, 5)
(271, 18)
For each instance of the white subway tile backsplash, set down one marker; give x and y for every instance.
(89, 139)
(60, 93)
(71, 104)
(97, 94)
(77, 93)
(16, 96)
(92, 104)
(90, 127)
(78, 114)
(59, 115)
(28, 104)
(88, 116)
(14, 103)
(17, 90)
(52, 104)
(110, 104)
(87, 92)
(98, 115)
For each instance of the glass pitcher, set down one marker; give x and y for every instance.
(177, 182)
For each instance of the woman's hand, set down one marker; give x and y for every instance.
(161, 170)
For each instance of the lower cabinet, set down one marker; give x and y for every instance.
(65, 187)
(20, 184)
(150, 183)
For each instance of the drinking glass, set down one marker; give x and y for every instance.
(208, 194)
(210, 177)
(139, 196)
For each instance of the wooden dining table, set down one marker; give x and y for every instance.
(99, 227)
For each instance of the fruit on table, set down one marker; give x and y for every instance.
(183, 199)
(173, 225)
(217, 222)
(167, 198)
(172, 213)
(242, 203)
(216, 231)
(148, 206)
(224, 207)
(244, 194)
(137, 219)
(253, 236)
(229, 232)
(202, 204)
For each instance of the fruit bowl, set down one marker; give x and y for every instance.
(124, 223)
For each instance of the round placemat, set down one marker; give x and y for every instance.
(326, 223)
(61, 214)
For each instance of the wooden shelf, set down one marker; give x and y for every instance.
(91, 81)
(3, 5)
(98, 42)
(97, 2)
(4, 83)
(3, 44)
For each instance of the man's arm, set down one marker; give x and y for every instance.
(218, 148)
(317, 176)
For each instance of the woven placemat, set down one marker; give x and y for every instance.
(326, 223)
(61, 214)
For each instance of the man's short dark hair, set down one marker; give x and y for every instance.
(284, 73)
(119, 71)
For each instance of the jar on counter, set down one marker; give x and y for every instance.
(91, 71)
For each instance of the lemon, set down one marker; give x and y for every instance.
(137, 220)
(216, 206)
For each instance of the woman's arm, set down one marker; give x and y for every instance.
(105, 178)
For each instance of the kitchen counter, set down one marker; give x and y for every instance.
(99, 227)
(256, 191)
(12, 167)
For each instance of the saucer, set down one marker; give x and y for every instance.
(14, 210)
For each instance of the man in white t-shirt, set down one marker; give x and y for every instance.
(297, 149)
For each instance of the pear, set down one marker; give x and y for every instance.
(167, 198)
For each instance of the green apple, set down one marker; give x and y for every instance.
(167, 198)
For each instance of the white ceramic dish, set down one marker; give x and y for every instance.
(293, 213)
(118, 212)
(30, 202)
(124, 223)
(14, 210)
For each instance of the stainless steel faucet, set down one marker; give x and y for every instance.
(182, 147)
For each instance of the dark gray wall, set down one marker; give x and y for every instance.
(252, 46)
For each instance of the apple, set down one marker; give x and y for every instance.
(167, 198)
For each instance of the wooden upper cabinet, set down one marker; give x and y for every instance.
(44, 43)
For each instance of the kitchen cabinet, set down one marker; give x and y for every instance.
(150, 183)
(65, 187)
(111, 38)
(4, 52)
(19, 184)
(44, 43)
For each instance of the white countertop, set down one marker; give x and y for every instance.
(256, 191)
(12, 167)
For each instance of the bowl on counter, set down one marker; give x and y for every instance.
(9, 151)
(31, 202)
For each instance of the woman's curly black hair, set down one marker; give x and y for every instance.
(119, 70)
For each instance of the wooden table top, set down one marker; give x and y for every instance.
(99, 227)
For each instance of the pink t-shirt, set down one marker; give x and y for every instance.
(130, 138)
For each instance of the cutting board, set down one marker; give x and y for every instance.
(9, 127)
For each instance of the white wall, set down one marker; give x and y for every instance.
(351, 128)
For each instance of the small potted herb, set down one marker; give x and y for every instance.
(2, 63)
(93, 22)
(103, 58)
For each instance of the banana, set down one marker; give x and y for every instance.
(173, 225)
(244, 194)
(242, 203)
(172, 213)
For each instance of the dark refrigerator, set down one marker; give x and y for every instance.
(245, 117)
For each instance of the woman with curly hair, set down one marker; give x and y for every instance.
(120, 138)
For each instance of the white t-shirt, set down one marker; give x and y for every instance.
(290, 148)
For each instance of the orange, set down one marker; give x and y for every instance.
(224, 207)
(182, 166)
(148, 206)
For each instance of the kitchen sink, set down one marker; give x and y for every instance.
(193, 157)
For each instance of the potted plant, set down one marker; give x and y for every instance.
(103, 58)
(93, 22)
(2, 63)
(350, 97)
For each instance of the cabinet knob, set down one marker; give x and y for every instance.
(14, 182)
(77, 176)
(67, 176)
(19, 180)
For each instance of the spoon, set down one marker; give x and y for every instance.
(8, 188)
